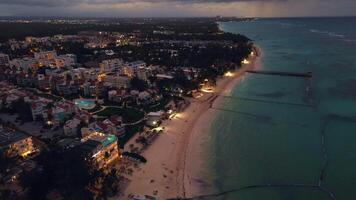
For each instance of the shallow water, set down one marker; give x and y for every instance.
(291, 137)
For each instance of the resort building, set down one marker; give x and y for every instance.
(15, 143)
(110, 65)
(117, 81)
(99, 148)
(112, 126)
(131, 69)
(71, 126)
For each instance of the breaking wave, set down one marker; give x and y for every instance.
(331, 34)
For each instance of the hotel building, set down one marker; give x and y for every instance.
(15, 143)
(99, 148)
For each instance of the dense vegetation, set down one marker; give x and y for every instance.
(178, 25)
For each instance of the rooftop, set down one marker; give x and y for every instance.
(7, 137)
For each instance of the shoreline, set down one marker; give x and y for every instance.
(193, 170)
(167, 170)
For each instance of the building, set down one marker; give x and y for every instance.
(143, 73)
(154, 118)
(4, 60)
(144, 98)
(112, 125)
(117, 124)
(68, 60)
(117, 81)
(37, 109)
(117, 95)
(71, 126)
(110, 65)
(15, 143)
(99, 148)
(23, 63)
(88, 89)
(131, 69)
(45, 55)
(67, 90)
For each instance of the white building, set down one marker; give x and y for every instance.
(51, 59)
(110, 65)
(117, 81)
(131, 69)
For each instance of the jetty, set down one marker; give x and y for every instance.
(281, 73)
(267, 101)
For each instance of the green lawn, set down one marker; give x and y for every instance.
(129, 115)
(96, 108)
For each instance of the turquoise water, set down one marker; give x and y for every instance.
(275, 134)
(86, 104)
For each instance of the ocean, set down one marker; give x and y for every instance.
(286, 137)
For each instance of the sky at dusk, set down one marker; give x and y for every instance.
(177, 8)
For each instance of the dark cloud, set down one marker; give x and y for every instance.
(51, 3)
(181, 8)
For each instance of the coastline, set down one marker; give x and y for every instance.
(195, 159)
(174, 158)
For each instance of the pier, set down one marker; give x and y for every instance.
(280, 73)
(267, 101)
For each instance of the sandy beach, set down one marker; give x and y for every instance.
(174, 158)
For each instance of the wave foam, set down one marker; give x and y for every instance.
(331, 34)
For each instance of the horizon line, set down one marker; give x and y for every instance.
(172, 17)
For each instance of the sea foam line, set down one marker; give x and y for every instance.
(331, 34)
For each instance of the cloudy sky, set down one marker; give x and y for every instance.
(177, 8)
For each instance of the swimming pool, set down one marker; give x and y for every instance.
(85, 104)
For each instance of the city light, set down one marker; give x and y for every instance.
(229, 74)
(245, 61)
(26, 153)
(158, 129)
(207, 90)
